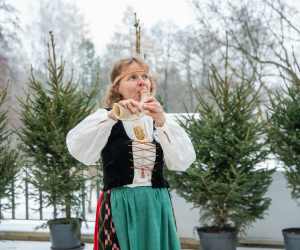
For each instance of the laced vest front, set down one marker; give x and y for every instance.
(118, 162)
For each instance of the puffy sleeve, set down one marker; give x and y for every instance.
(86, 141)
(178, 150)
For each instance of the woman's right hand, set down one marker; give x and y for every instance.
(111, 115)
(130, 103)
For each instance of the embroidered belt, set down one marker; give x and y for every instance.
(143, 167)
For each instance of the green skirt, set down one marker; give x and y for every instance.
(143, 218)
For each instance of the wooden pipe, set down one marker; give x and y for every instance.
(124, 114)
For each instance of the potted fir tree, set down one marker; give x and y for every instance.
(229, 144)
(9, 161)
(284, 136)
(49, 112)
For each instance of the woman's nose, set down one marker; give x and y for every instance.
(141, 81)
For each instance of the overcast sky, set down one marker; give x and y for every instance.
(103, 16)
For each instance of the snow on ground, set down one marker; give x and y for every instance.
(35, 245)
(29, 226)
(30, 245)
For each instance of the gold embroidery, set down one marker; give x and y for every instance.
(140, 134)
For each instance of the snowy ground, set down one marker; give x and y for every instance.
(29, 226)
(34, 245)
(30, 245)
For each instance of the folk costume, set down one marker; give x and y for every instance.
(134, 211)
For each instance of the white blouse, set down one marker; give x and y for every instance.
(86, 141)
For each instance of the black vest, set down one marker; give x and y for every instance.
(117, 160)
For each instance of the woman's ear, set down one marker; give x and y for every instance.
(116, 88)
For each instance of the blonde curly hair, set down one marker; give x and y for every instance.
(111, 94)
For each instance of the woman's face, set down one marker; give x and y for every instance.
(131, 84)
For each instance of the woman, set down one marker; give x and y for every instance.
(134, 211)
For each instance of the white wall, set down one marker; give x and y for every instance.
(186, 219)
(283, 213)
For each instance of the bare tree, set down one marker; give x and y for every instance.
(70, 31)
(164, 34)
(9, 38)
(262, 34)
(193, 57)
(10, 59)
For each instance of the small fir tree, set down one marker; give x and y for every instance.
(228, 139)
(49, 112)
(9, 161)
(284, 130)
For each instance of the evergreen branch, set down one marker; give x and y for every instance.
(46, 133)
(231, 76)
(4, 94)
(236, 179)
(54, 61)
(138, 35)
(204, 182)
(226, 58)
(78, 79)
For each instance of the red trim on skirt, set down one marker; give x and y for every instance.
(96, 223)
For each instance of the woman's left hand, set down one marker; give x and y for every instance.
(156, 111)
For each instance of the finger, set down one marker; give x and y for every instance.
(153, 109)
(155, 104)
(129, 106)
(123, 104)
(136, 104)
(150, 113)
(151, 105)
(151, 99)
